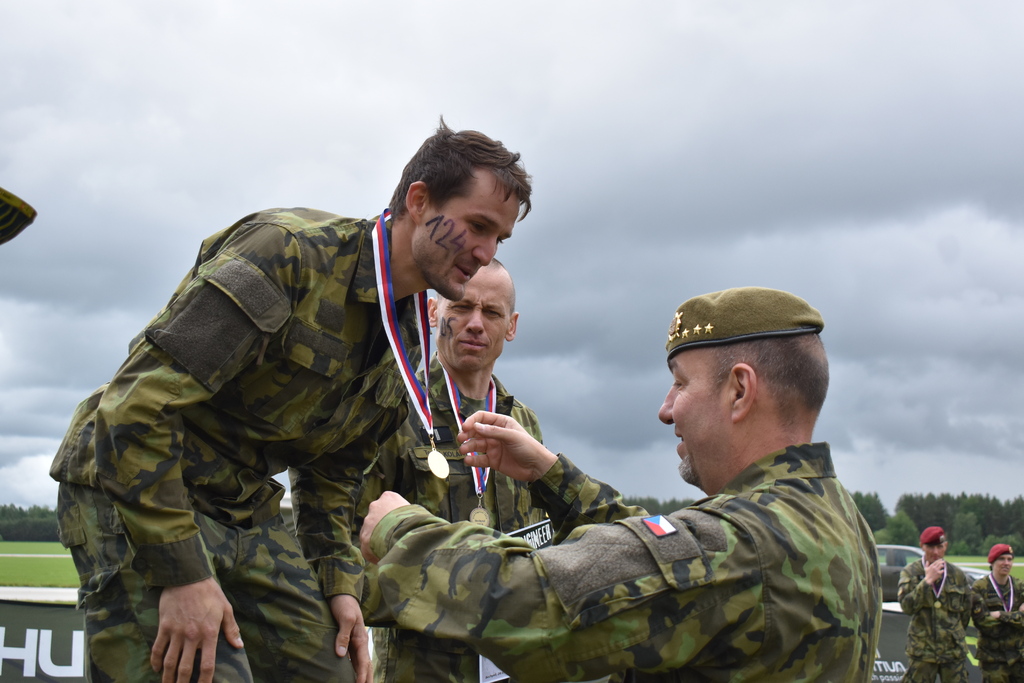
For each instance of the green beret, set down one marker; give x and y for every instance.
(738, 315)
(15, 215)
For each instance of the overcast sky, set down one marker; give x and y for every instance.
(869, 158)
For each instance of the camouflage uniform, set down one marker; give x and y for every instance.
(773, 579)
(270, 355)
(402, 656)
(1000, 641)
(936, 641)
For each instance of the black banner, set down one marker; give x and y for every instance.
(41, 642)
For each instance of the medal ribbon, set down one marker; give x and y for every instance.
(1007, 605)
(389, 315)
(939, 589)
(480, 474)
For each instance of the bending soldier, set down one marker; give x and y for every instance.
(287, 347)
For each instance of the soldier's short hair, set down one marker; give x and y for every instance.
(795, 369)
(446, 161)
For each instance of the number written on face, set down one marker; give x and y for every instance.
(446, 227)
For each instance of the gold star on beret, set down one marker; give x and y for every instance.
(740, 314)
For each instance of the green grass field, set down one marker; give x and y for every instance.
(56, 570)
(59, 571)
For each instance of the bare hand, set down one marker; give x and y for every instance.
(352, 636)
(388, 501)
(994, 615)
(191, 618)
(500, 442)
(933, 571)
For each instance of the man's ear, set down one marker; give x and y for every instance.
(432, 307)
(510, 334)
(742, 390)
(417, 201)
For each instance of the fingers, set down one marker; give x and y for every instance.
(360, 653)
(231, 630)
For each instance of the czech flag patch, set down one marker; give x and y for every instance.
(659, 526)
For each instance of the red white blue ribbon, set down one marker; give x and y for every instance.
(480, 474)
(1007, 604)
(389, 315)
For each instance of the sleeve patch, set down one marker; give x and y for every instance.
(265, 305)
(575, 572)
(205, 334)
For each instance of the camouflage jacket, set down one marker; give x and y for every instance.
(270, 355)
(936, 632)
(1000, 639)
(401, 466)
(773, 579)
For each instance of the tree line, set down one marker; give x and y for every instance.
(973, 523)
(37, 523)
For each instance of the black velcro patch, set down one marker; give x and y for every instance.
(249, 288)
(205, 334)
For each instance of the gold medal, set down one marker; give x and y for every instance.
(938, 604)
(480, 516)
(437, 464)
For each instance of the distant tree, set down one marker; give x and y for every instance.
(901, 530)
(871, 508)
(965, 537)
(34, 524)
(655, 506)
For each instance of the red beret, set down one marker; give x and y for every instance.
(933, 535)
(997, 550)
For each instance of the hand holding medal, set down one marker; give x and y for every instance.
(499, 442)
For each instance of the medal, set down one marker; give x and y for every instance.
(438, 464)
(389, 316)
(480, 516)
(938, 604)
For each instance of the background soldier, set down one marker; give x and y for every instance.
(280, 350)
(471, 333)
(774, 576)
(998, 614)
(937, 597)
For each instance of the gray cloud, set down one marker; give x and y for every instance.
(868, 158)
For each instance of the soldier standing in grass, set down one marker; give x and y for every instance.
(773, 577)
(937, 597)
(998, 614)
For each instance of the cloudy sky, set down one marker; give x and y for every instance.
(868, 157)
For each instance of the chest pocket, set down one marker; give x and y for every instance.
(958, 598)
(443, 496)
(302, 383)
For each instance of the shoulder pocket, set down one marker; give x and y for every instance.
(611, 568)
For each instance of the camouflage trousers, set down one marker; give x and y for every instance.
(926, 672)
(285, 623)
(1001, 672)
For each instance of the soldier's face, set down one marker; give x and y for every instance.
(933, 552)
(1002, 566)
(472, 331)
(454, 240)
(694, 407)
